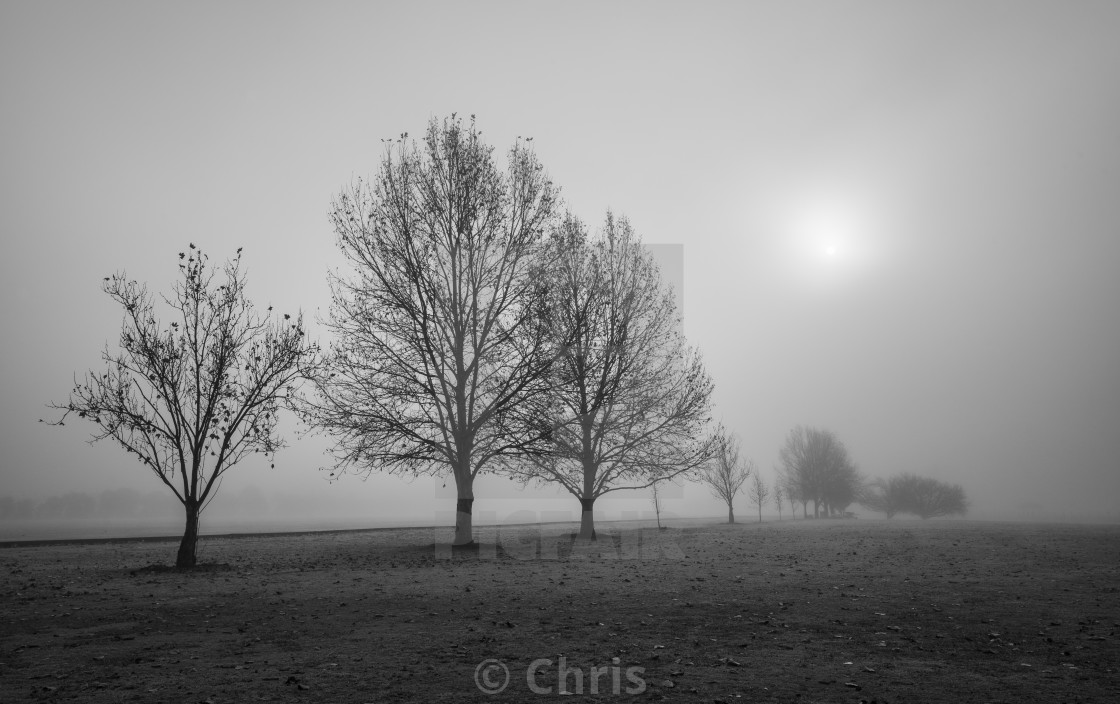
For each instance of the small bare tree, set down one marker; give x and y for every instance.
(193, 398)
(726, 474)
(758, 492)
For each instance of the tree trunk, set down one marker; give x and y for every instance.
(464, 492)
(587, 519)
(760, 513)
(186, 556)
(464, 526)
(730, 513)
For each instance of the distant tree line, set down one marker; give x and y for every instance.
(816, 468)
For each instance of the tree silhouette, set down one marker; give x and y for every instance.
(758, 492)
(816, 467)
(193, 398)
(628, 402)
(726, 473)
(779, 496)
(883, 495)
(437, 341)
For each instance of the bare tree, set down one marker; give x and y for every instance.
(789, 489)
(629, 402)
(194, 398)
(438, 342)
(758, 492)
(818, 469)
(726, 473)
(779, 496)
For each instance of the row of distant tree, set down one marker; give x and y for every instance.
(904, 493)
(815, 468)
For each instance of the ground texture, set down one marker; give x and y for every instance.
(797, 611)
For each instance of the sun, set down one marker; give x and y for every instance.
(827, 241)
(825, 233)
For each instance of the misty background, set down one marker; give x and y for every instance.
(896, 221)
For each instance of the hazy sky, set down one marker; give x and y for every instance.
(900, 220)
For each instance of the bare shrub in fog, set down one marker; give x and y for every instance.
(929, 498)
(628, 401)
(195, 396)
(438, 344)
(726, 473)
(882, 495)
(921, 496)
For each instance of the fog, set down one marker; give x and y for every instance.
(896, 221)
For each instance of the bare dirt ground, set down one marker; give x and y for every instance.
(798, 611)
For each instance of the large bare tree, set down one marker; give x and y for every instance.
(629, 401)
(195, 396)
(726, 473)
(438, 338)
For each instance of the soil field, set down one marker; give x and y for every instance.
(796, 611)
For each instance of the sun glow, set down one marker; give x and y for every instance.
(825, 232)
(827, 240)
